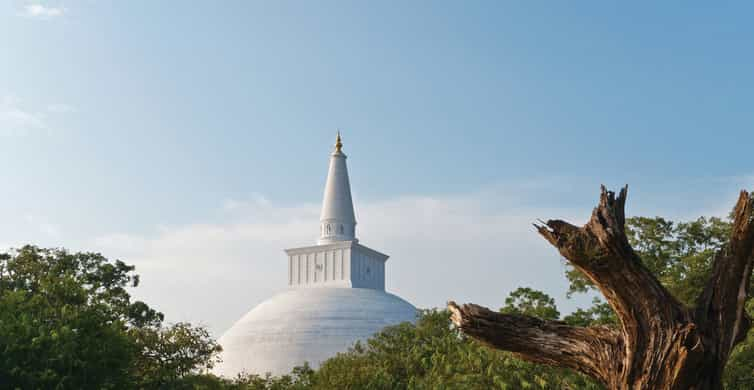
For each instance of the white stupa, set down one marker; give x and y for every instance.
(336, 296)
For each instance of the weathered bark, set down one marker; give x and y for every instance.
(660, 344)
(589, 350)
(720, 313)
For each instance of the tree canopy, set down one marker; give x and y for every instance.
(67, 321)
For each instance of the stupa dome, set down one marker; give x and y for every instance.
(336, 296)
(307, 325)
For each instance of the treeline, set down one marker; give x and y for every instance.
(68, 322)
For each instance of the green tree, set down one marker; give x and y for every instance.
(169, 354)
(739, 373)
(685, 286)
(680, 254)
(68, 322)
(434, 355)
(527, 301)
(599, 314)
(300, 378)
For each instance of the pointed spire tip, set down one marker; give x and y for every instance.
(338, 143)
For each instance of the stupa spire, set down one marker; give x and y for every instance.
(338, 143)
(337, 221)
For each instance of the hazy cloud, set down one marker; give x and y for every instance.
(18, 118)
(60, 108)
(42, 12)
(15, 120)
(467, 247)
(472, 247)
(44, 226)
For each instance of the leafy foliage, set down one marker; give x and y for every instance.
(739, 373)
(68, 322)
(170, 353)
(433, 355)
(599, 314)
(525, 300)
(681, 256)
(300, 378)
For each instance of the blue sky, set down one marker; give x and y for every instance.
(141, 129)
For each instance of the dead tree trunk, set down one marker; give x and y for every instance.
(660, 343)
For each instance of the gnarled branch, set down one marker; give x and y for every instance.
(720, 307)
(659, 344)
(588, 350)
(600, 250)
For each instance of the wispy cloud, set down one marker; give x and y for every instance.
(16, 120)
(44, 226)
(19, 118)
(61, 108)
(471, 247)
(42, 12)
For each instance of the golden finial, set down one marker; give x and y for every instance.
(338, 144)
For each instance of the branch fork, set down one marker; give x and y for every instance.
(660, 343)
